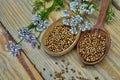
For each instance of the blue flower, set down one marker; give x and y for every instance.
(73, 21)
(88, 25)
(78, 18)
(82, 27)
(86, 0)
(13, 48)
(72, 18)
(83, 8)
(66, 21)
(39, 23)
(82, 11)
(73, 6)
(27, 35)
(73, 30)
(23, 32)
(46, 23)
(73, 24)
(42, 25)
(36, 19)
(31, 39)
(65, 13)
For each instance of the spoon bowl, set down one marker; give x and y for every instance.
(46, 34)
(99, 30)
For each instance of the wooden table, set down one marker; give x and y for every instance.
(35, 64)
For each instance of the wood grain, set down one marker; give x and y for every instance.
(15, 14)
(116, 3)
(17, 68)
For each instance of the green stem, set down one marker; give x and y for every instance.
(39, 35)
(19, 41)
(44, 8)
(31, 26)
(37, 38)
(38, 41)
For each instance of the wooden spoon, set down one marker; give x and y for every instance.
(46, 34)
(99, 29)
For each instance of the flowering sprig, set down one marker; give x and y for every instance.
(27, 34)
(78, 20)
(13, 48)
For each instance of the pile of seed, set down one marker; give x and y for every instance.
(59, 38)
(92, 46)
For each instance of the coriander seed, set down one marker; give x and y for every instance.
(92, 46)
(59, 38)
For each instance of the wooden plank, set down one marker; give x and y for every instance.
(16, 14)
(27, 69)
(116, 3)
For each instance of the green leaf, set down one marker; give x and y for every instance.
(110, 13)
(47, 0)
(37, 6)
(31, 26)
(57, 5)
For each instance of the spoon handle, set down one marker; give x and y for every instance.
(103, 11)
